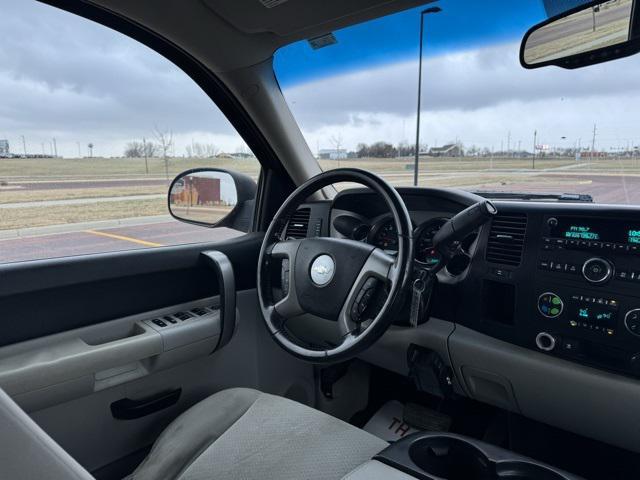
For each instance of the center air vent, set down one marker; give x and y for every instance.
(298, 224)
(506, 239)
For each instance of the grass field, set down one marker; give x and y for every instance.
(106, 184)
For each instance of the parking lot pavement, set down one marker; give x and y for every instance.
(154, 232)
(90, 241)
(612, 189)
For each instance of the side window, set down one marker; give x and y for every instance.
(93, 128)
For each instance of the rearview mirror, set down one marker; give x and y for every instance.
(592, 33)
(213, 197)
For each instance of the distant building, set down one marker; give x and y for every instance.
(193, 190)
(450, 150)
(4, 148)
(241, 155)
(332, 154)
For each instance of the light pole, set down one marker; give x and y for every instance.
(417, 152)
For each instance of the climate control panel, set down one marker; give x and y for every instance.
(600, 330)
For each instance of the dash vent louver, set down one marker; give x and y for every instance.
(298, 224)
(506, 239)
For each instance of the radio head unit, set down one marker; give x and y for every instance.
(595, 230)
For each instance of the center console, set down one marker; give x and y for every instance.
(587, 287)
(569, 285)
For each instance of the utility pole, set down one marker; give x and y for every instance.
(144, 150)
(593, 142)
(79, 152)
(24, 145)
(55, 147)
(535, 141)
(417, 153)
(509, 144)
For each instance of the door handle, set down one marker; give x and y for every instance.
(128, 409)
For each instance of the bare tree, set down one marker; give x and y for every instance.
(150, 149)
(210, 150)
(165, 142)
(202, 150)
(134, 150)
(336, 141)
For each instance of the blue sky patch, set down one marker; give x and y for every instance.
(461, 25)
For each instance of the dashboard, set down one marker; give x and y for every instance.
(540, 314)
(428, 215)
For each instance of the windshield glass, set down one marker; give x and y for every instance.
(486, 123)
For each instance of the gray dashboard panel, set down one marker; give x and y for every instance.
(581, 399)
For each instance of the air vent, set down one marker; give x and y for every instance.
(298, 224)
(506, 239)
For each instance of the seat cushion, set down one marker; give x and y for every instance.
(245, 434)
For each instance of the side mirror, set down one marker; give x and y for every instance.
(213, 197)
(591, 33)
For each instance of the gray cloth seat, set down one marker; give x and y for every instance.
(245, 434)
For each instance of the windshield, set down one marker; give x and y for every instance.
(486, 123)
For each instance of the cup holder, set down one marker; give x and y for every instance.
(451, 458)
(525, 471)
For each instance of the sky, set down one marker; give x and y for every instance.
(66, 78)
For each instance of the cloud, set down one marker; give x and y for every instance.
(63, 76)
(477, 96)
(66, 77)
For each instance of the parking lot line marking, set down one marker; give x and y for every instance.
(126, 239)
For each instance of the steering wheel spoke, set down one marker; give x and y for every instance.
(285, 249)
(288, 306)
(377, 271)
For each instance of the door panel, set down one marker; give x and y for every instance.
(51, 296)
(86, 429)
(77, 337)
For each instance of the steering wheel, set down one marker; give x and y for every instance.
(355, 284)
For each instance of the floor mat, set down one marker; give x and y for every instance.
(387, 423)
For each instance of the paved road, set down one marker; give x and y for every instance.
(108, 240)
(579, 24)
(604, 189)
(85, 184)
(80, 201)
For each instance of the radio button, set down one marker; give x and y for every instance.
(597, 270)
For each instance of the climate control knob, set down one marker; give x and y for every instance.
(550, 305)
(597, 270)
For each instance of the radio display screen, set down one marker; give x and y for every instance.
(596, 229)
